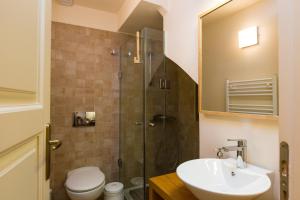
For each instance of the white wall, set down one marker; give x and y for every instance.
(181, 31)
(289, 74)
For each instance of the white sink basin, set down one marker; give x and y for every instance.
(215, 179)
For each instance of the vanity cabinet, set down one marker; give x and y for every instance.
(168, 187)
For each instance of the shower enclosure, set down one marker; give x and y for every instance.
(158, 114)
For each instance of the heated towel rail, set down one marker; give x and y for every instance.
(258, 96)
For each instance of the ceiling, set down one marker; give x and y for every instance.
(145, 15)
(103, 5)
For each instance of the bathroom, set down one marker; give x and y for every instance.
(94, 70)
(149, 100)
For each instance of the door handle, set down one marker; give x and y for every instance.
(51, 145)
(54, 144)
(284, 171)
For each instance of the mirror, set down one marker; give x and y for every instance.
(239, 58)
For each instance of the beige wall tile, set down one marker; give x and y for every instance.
(84, 78)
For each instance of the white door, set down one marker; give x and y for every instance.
(289, 88)
(24, 97)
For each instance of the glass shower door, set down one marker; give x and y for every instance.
(161, 140)
(149, 136)
(142, 112)
(131, 161)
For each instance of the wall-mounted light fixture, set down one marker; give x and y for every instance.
(248, 37)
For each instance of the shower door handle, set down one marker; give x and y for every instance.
(138, 123)
(151, 124)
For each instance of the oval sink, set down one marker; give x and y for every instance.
(219, 179)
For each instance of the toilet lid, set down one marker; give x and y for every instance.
(84, 179)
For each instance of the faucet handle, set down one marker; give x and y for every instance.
(241, 142)
(219, 152)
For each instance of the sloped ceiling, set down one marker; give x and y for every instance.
(145, 15)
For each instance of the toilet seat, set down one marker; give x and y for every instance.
(84, 179)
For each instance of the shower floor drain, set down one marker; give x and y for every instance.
(135, 193)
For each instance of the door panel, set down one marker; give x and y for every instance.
(16, 97)
(19, 50)
(19, 126)
(24, 97)
(18, 172)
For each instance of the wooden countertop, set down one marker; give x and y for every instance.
(168, 187)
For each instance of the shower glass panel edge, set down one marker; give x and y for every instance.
(154, 99)
(131, 120)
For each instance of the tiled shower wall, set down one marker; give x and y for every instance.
(84, 77)
(175, 140)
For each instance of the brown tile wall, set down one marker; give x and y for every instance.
(84, 78)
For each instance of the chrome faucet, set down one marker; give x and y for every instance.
(241, 151)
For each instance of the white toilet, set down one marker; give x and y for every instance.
(86, 183)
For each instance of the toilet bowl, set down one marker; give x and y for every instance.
(85, 183)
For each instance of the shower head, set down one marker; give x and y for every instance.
(66, 2)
